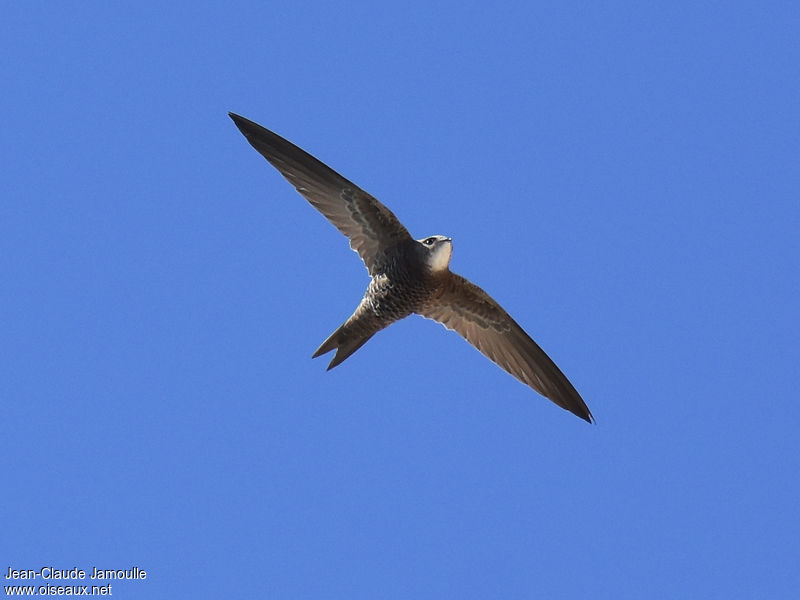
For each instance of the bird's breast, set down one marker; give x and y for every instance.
(397, 292)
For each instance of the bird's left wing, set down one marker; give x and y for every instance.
(371, 227)
(468, 310)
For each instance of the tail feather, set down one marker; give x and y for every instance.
(345, 341)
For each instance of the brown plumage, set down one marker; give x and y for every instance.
(409, 276)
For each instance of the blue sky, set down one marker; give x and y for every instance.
(622, 178)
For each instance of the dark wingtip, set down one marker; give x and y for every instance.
(240, 121)
(569, 399)
(582, 412)
(574, 404)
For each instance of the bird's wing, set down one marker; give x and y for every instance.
(371, 227)
(468, 310)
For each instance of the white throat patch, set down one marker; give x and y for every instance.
(439, 258)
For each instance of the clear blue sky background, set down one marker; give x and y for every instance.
(622, 178)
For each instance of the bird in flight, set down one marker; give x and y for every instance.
(409, 276)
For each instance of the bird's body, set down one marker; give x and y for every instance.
(409, 276)
(404, 284)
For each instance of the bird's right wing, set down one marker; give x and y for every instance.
(371, 227)
(468, 310)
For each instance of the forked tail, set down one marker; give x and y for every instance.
(345, 340)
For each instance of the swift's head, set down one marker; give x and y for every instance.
(437, 250)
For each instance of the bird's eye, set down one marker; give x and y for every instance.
(429, 241)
